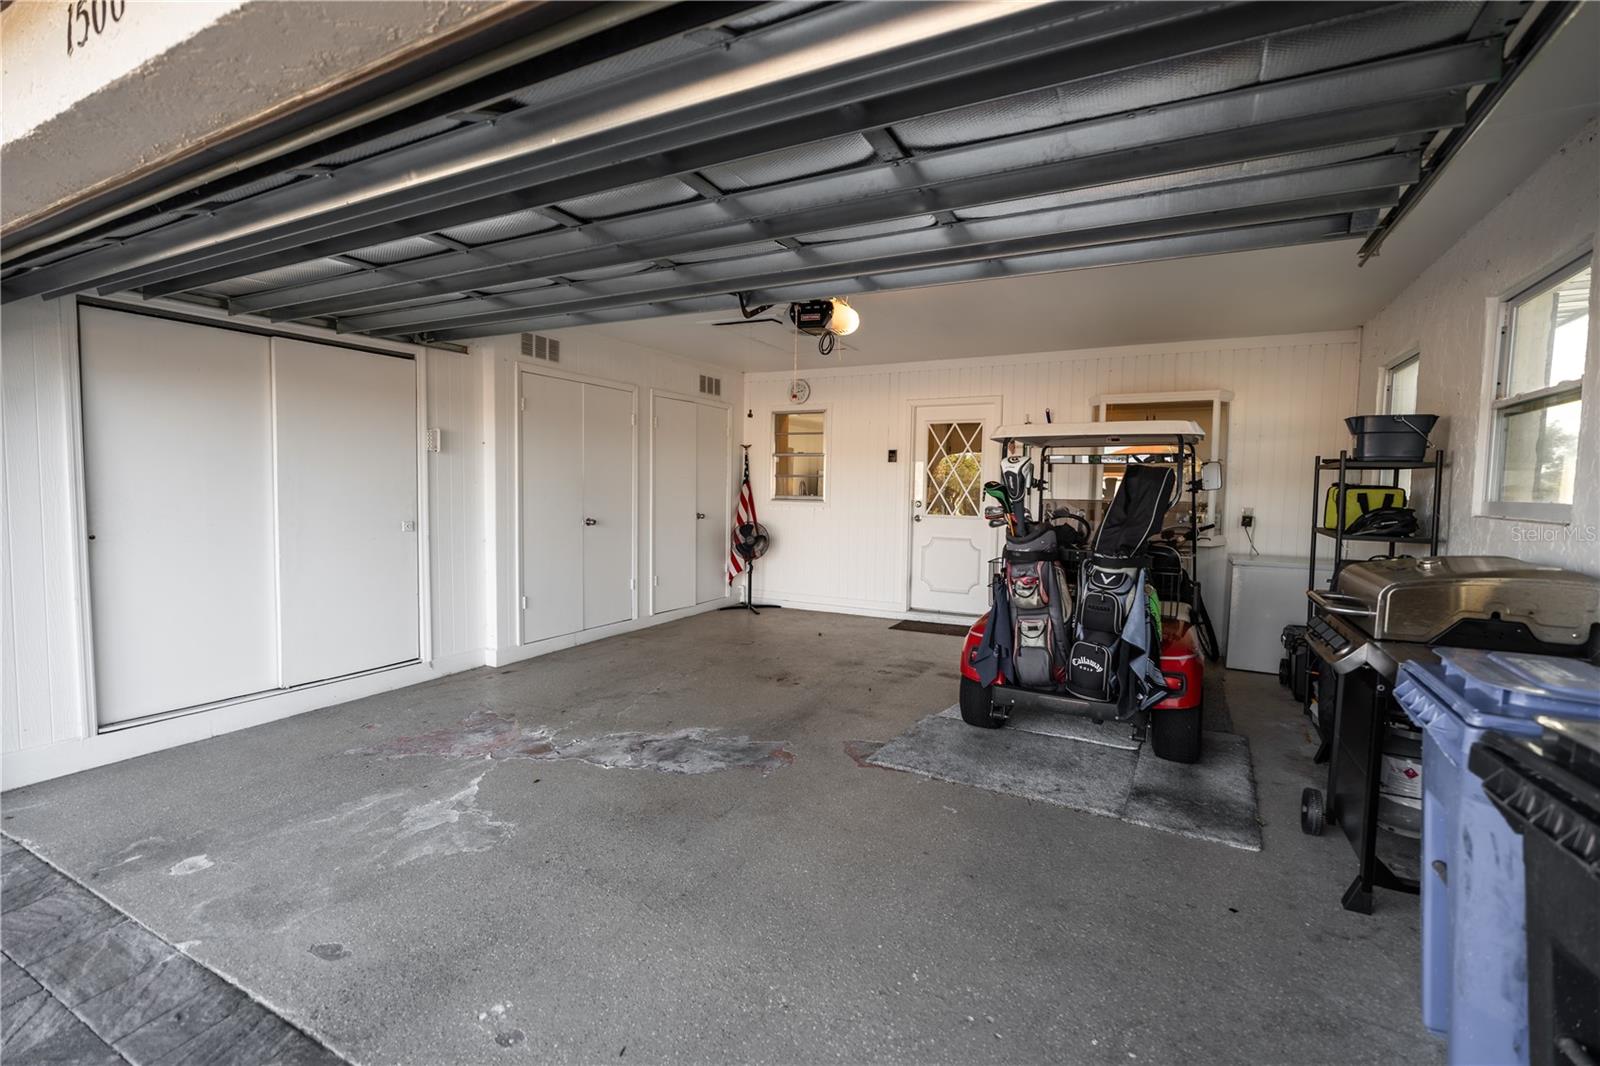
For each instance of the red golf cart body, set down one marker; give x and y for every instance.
(1180, 655)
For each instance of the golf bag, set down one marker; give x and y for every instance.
(1117, 625)
(1037, 592)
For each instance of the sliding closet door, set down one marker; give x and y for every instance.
(711, 503)
(552, 502)
(673, 497)
(347, 509)
(177, 427)
(608, 493)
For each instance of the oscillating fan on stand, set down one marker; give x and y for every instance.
(750, 542)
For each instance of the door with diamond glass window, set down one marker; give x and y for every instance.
(951, 544)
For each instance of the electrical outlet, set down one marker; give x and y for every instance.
(1247, 518)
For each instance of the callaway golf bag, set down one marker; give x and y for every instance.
(1117, 622)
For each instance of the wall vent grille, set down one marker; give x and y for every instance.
(710, 386)
(539, 346)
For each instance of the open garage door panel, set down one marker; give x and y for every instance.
(252, 507)
(794, 150)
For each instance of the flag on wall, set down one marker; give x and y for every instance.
(744, 514)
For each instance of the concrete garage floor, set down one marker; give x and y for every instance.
(460, 908)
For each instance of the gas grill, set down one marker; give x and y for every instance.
(1381, 611)
(1378, 615)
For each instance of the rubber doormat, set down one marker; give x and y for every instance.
(941, 628)
(1213, 799)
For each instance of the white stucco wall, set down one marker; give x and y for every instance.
(1449, 313)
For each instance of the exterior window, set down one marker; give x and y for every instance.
(1538, 397)
(799, 450)
(1400, 397)
(1400, 386)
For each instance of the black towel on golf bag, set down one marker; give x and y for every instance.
(1113, 637)
(1036, 591)
(992, 658)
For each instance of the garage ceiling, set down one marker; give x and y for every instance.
(795, 150)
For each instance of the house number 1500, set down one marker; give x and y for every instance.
(91, 17)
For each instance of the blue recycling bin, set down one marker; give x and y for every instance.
(1474, 954)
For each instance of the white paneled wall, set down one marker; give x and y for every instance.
(45, 681)
(588, 354)
(42, 679)
(850, 550)
(457, 522)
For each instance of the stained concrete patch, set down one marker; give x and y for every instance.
(862, 750)
(400, 833)
(687, 751)
(481, 735)
(1213, 799)
(1071, 727)
(485, 735)
(192, 865)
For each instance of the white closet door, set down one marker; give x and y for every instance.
(178, 461)
(711, 504)
(673, 499)
(607, 505)
(347, 509)
(552, 507)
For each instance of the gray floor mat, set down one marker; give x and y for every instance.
(1048, 724)
(1214, 799)
(1085, 777)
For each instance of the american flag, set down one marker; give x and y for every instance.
(744, 513)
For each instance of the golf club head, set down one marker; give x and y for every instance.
(996, 505)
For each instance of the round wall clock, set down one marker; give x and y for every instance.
(799, 391)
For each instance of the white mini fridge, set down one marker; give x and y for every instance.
(1265, 593)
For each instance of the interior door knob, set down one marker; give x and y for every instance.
(916, 518)
(699, 514)
(590, 522)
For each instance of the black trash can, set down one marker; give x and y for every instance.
(1549, 792)
(1295, 666)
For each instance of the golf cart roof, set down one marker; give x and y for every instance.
(1102, 434)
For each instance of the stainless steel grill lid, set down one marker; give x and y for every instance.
(1420, 599)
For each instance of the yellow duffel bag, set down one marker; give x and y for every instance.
(1353, 501)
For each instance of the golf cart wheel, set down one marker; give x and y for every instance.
(1175, 734)
(1312, 819)
(976, 706)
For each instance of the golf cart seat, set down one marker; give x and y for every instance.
(1114, 630)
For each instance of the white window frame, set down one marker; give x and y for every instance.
(1412, 356)
(1386, 383)
(1500, 407)
(823, 455)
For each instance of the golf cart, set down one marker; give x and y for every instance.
(1095, 610)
